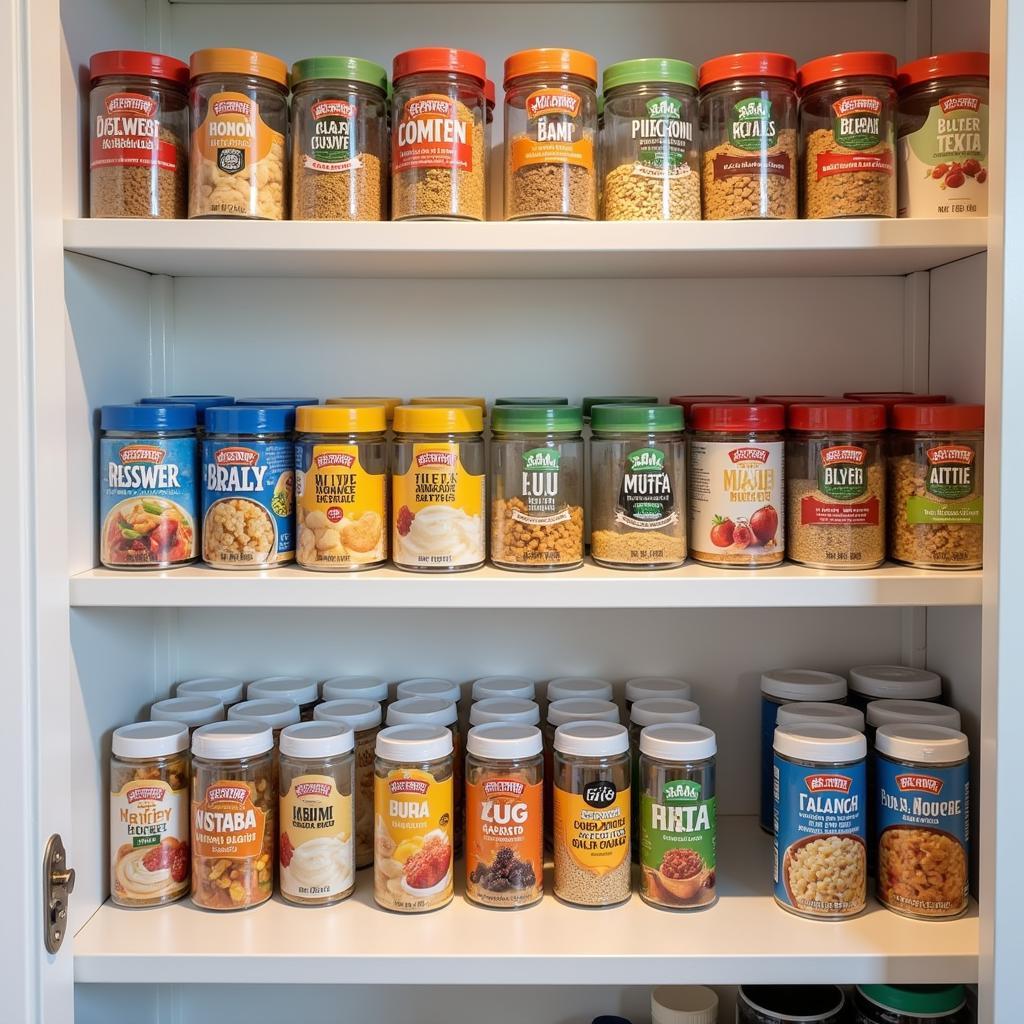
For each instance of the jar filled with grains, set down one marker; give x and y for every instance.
(748, 117)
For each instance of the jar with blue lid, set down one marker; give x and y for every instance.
(200, 402)
(248, 487)
(148, 499)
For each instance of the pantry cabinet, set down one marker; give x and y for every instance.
(257, 308)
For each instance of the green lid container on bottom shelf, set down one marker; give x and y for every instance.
(543, 400)
(536, 419)
(916, 1000)
(650, 70)
(591, 401)
(644, 419)
(348, 69)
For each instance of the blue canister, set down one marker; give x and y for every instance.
(201, 403)
(148, 486)
(820, 793)
(248, 487)
(923, 801)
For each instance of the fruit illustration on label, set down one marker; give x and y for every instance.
(405, 518)
(764, 524)
(722, 531)
(742, 536)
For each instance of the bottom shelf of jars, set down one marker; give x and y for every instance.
(744, 938)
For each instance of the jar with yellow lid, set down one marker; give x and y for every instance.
(390, 404)
(438, 488)
(341, 487)
(480, 403)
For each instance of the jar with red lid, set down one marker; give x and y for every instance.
(748, 118)
(735, 484)
(689, 401)
(936, 485)
(942, 126)
(835, 486)
(439, 121)
(138, 139)
(889, 399)
(848, 135)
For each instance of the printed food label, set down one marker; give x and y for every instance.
(950, 488)
(328, 140)
(148, 501)
(728, 166)
(226, 824)
(857, 122)
(593, 826)
(316, 842)
(233, 135)
(539, 489)
(554, 132)
(662, 139)
(647, 499)
(842, 476)
(751, 125)
(412, 867)
(430, 133)
(127, 134)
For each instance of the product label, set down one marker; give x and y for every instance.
(662, 139)
(226, 824)
(769, 716)
(316, 842)
(857, 122)
(727, 166)
(751, 125)
(843, 477)
(433, 131)
(555, 132)
(328, 143)
(127, 134)
(647, 500)
(233, 135)
(539, 489)
(148, 501)
(592, 827)
(950, 485)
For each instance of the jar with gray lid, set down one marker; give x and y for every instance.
(505, 709)
(515, 687)
(892, 712)
(646, 687)
(892, 682)
(188, 711)
(684, 1004)
(788, 1004)
(298, 689)
(815, 711)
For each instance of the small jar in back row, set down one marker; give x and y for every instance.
(518, 687)
(514, 710)
(276, 715)
(892, 682)
(299, 690)
(223, 688)
(192, 712)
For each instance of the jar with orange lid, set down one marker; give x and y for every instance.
(341, 487)
(550, 135)
(238, 103)
(438, 167)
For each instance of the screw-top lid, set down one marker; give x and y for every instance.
(354, 688)
(173, 416)
(550, 60)
(149, 739)
(504, 741)
(591, 739)
(505, 709)
(390, 403)
(812, 741)
(794, 1002)
(316, 740)
(430, 686)
(275, 713)
(490, 98)
(737, 416)
(440, 59)
(475, 400)
(139, 63)
(431, 710)
(655, 710)
(678, 741)
(895, 682)
(297, 689)
(747, 65)
(357, 714)
(684, 1004)
(341, 419)
(537, 419)
(858, 64)
(891, 712)
(965, 64)
(504, 686)
(541, 400)
(414, 743)
(645, 419)
(589, 402)
(200, 402)
(294, 403)
(229, 741)
(582, 709)
(947, 416)
(348, 69)
(190, 711)
(249, 419)
(788, 400)
(916, 1000)
(579, 686)
(891, 398)
(238, 62)
(642, 687)
(222, 688)
(650, 70)
(803, 684)
(845, 418)
(439, 419)
(813, 711)
(927, 744)
(687, 402)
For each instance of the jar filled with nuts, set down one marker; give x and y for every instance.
(537, 487)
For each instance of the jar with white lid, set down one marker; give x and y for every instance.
(514, 710)
(910, 1004)
(646, 687)
(564, 687)
(149, 779)
(516, 687)
(223, 688)
(299, 690)
(317, 845)
(275, 714)
(815, 711)
(191, 712)
(430, 686)
(684, 1004)
(892, 682)
(899, 712)
(354, 688)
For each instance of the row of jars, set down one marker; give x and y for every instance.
(749, 136)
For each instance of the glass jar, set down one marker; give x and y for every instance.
(275, 714)
(942, 125)
(223, 688)
(234, 775)
(678, 816)
(438, 169)
(892, 682)
(339, 139)
(518, 687)
(490, 99)
(537, 487)
(239, 116)
(513, 710)
(296, 689)
(148, 493)
(504, 808)
(835, 486)
(317, 844)
(936, 486)
(650, 141)
(788, 1004)
(192, 712)
(591, 814)
(736, 485)
(848, 135)
(910, 1004)
(138, 145)
(412, 864)
(438, 489)
(149, 824)
(748, 119)
(550, 135)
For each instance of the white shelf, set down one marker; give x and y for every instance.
(745, 938)
(528, 250)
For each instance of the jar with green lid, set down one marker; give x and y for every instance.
(537, 487)
(650, 144)
(339, 139)
(638, 492)
(910, 1004)
(533, 400)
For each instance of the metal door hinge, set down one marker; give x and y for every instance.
(58, 885)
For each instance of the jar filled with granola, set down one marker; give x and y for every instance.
(234, 815)
(936, 485)
(748, 117)
(537, 487)
(848, 135)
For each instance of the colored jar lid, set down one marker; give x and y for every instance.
(650, 69)
(293, 402)
(916, 1000)
(223, 59)
(747, 65)
(437, 419)
(949, 416)
(590, 401)
(728, 418)
(139, 63)
(541, 400)
(687, 402)
(965, 64)
(820, 741)
(347, 69)
(439, 59)
(788, 400)
(856, 64)
(640, 418)
(537, 419)
(341, 419)
(551, 59)
(490, 95)
(852, 418)
(480, 403)
(201, 402)
(891, 398)
(148, 417)
(249, 419)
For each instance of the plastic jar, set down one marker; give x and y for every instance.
(789, 1004)
(544, 400)
(678, 816)
(354, 688)
(513, 710)
(892, 682)
(504, 686)
(942, 125)
(650, 142)
(684, 1004)
(275, 714)
(592, 813)
(936, 485)
(297, 689)
(223, 688)
(910, 1004)
(248, 487)
(504, 809)
(737, 516)
(835, 486)
(537, 487)
(923, 789)
(148, 493)
(848, 135)
(898, 712)
(821, 712)
(748, 118)
(550, 135)
(890, 399)
(430, 686)
(149, 778)
(234, 772)
(564, 687)
(192, 712)
(645, 687)
(138, 143)
(317, 784)
(438, 489)
(438, 166)
(412, 866)
(687, 402)
(339, 139)
(390, 404)
(200, 402)
(239, 116)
